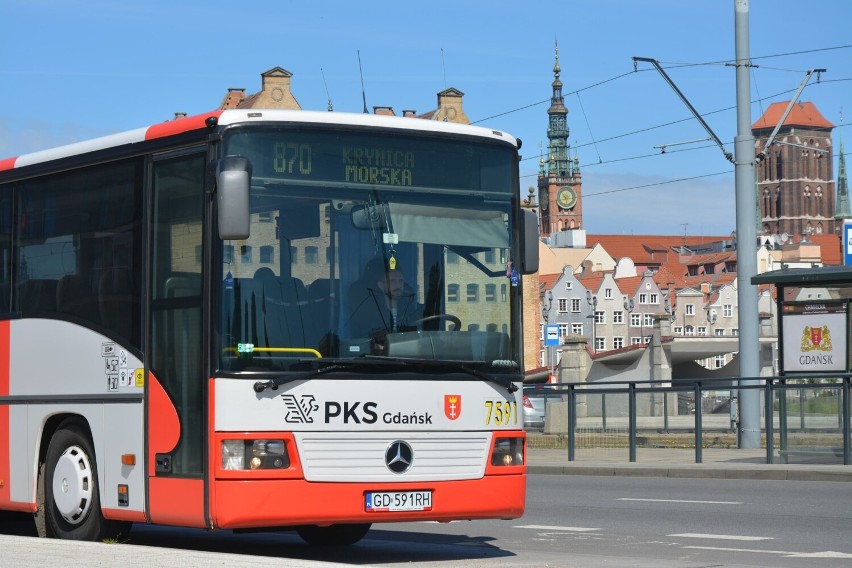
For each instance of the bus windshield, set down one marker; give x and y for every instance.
(364, 244)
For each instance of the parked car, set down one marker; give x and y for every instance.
(535, 406)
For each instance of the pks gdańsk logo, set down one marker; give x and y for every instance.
(452, 406)
(299, 410)
(816, 339)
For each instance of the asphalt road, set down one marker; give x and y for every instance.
(571, 521)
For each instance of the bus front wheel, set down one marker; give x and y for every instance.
(333, 535)
(69, 505)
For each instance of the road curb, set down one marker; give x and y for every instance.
(698, 471)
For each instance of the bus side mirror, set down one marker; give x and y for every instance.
(233, 180)
(529, 234)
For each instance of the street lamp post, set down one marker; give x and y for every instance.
(545, 315)
(593, 302)
(628, 306)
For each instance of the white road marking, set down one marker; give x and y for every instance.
(681, 501)
(823, 554)
(555, 528)
(720, 536)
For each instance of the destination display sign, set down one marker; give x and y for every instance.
(401, 161)
(815, 336)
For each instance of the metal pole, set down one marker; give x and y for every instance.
(631, 409)
(847, 459)
(698, 433)
(572, 421)
(767, 417)
(746, 201)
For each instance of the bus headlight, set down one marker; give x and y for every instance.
(254, 454)
(508, 451)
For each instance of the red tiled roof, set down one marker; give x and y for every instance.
(829, 249)
(802, 114)
(642, 252)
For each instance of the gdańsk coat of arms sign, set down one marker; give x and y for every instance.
(808, 330)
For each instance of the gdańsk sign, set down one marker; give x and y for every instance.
(815, 336)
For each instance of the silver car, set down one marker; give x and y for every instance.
(535, 406)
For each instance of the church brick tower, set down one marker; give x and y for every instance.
(795, 184)
(560, 194)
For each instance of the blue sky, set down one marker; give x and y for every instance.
(75, 70)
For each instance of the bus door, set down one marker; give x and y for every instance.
(175, 355)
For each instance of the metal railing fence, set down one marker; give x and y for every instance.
(800, 416)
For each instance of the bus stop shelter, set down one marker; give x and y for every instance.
(813, 342)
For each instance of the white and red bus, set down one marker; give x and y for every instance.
(264, 319)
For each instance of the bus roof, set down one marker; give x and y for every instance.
(237, 116)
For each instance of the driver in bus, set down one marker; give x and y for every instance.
(382, 302)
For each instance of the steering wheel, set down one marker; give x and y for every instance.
(436, 317)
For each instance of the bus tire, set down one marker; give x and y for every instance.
(69, 505)
(333, 535)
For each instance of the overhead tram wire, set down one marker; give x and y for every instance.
(671, 123)
(672, 66)
(601, 162)
(655, 184)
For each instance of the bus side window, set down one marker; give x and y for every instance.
(5, 248)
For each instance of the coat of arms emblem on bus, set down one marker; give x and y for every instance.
(299, 409)
(452, 406)
(816, 338)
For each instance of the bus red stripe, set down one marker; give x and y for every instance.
(179, 126)
(7, 163)
(5, 470)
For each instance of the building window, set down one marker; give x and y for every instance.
(245, 254)
(228, 253)
(562, 305)
(727, 311)
(655, 298)
(735, 332)
(618, 317)
(635, 340)
(600, 317)
(608, 293)
(452, 257)
(690, 309)
(265, 216)
(690, 331)
(649, 320)
(643, 298)
(617, 342)
(489, 256)
(719, 332)
(575, 305)
(577, 328)
(490, 292)
(452, 292)
(702, 331)
(294, 255)
(267, 254)
(719, 361)
(473, 292)
(635, 320)
(503, 293)
(563, 329)
(600, 343)
(311, 255)
(569, 285)
(678, 330)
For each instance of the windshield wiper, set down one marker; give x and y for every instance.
(389, 363)
(463, 366)
(326, 366)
